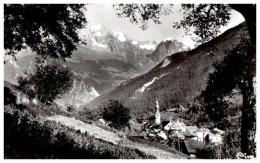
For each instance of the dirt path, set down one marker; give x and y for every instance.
(100, 133)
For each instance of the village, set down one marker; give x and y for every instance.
(187, 139)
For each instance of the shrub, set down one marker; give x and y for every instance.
(70, 108)
(116, 113)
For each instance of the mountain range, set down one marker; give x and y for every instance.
(178, 79)
(106, 59)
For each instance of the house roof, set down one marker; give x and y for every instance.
(192, 128)
(189, 134)
(154, 125)
(217, 131)
(164, 123)
(192, 146)
(172, 109)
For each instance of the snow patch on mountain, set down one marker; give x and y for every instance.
(94, 92)
(166, 62)
(95, 43)
(134, 42)
(146, 85)
(120, 36)
(169, 39)
(14, 64)
(98, 34)
(148, 46)
(97, 27)
(74, 85)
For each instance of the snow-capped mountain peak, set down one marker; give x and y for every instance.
(119, 35)
(149, 45)
(134, 42)
(98, 28)
(169, 39)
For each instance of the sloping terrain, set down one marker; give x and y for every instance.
(108, 136)
(177, 80)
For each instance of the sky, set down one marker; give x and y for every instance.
(104, 14)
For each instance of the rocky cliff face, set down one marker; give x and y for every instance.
(79, 95)
(118, 45)
(166, 48)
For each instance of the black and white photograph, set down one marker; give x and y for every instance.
(129, 80)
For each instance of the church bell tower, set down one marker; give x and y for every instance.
(157, 114)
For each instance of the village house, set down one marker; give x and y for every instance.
(23, 99)
(213, 139)
(202, 133)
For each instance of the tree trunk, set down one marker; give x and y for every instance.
(248, 121)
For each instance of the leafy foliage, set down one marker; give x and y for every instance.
(228, 76)
(117, 114)
(48, 29)
(237, 71)
(49, 81)
(142, 13)
(204, 20)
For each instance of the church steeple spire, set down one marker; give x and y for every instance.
(157, 114)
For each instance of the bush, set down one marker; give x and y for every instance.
(70, 108)
(116, 113)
